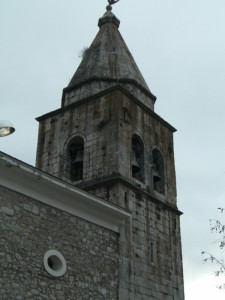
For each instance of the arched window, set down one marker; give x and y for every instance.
(158, 171)
(76, 154)
(137, 158)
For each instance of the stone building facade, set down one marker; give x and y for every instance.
(42, 216)
(30, 228)
(107, 140)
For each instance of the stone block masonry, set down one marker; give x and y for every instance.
(28, 229)
(150, 247)
(126, 157)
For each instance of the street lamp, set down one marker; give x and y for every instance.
(6, 128)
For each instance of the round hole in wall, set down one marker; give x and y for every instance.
(55, 263)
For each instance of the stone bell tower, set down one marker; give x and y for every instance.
(107, 139)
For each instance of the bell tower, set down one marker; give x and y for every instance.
(107, 139)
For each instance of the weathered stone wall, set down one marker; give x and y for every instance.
(88, 121)
(29, 228)
(155, 134)
(150, 246)
(107, 125)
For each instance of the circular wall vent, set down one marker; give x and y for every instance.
(55, 263)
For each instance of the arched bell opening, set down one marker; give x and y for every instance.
(137, 158)
(76, 158)
(158, 172)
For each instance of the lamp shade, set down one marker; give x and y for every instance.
(6, 128)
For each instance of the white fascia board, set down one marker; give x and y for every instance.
(25, 179)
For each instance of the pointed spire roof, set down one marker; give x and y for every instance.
(109, 60)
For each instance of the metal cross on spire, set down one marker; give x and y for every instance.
(111, 2)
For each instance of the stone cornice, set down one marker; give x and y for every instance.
(113, 80)
(117, 87)
(118, 178)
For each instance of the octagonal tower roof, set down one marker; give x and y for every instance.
(107, 62)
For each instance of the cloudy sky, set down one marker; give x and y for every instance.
(179, 46)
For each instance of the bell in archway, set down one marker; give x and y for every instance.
(156, 175)
(78, 159)
(135, 165)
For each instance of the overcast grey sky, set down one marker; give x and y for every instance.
(179, 47)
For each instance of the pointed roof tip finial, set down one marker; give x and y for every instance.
(108, 16)
(111, 2)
